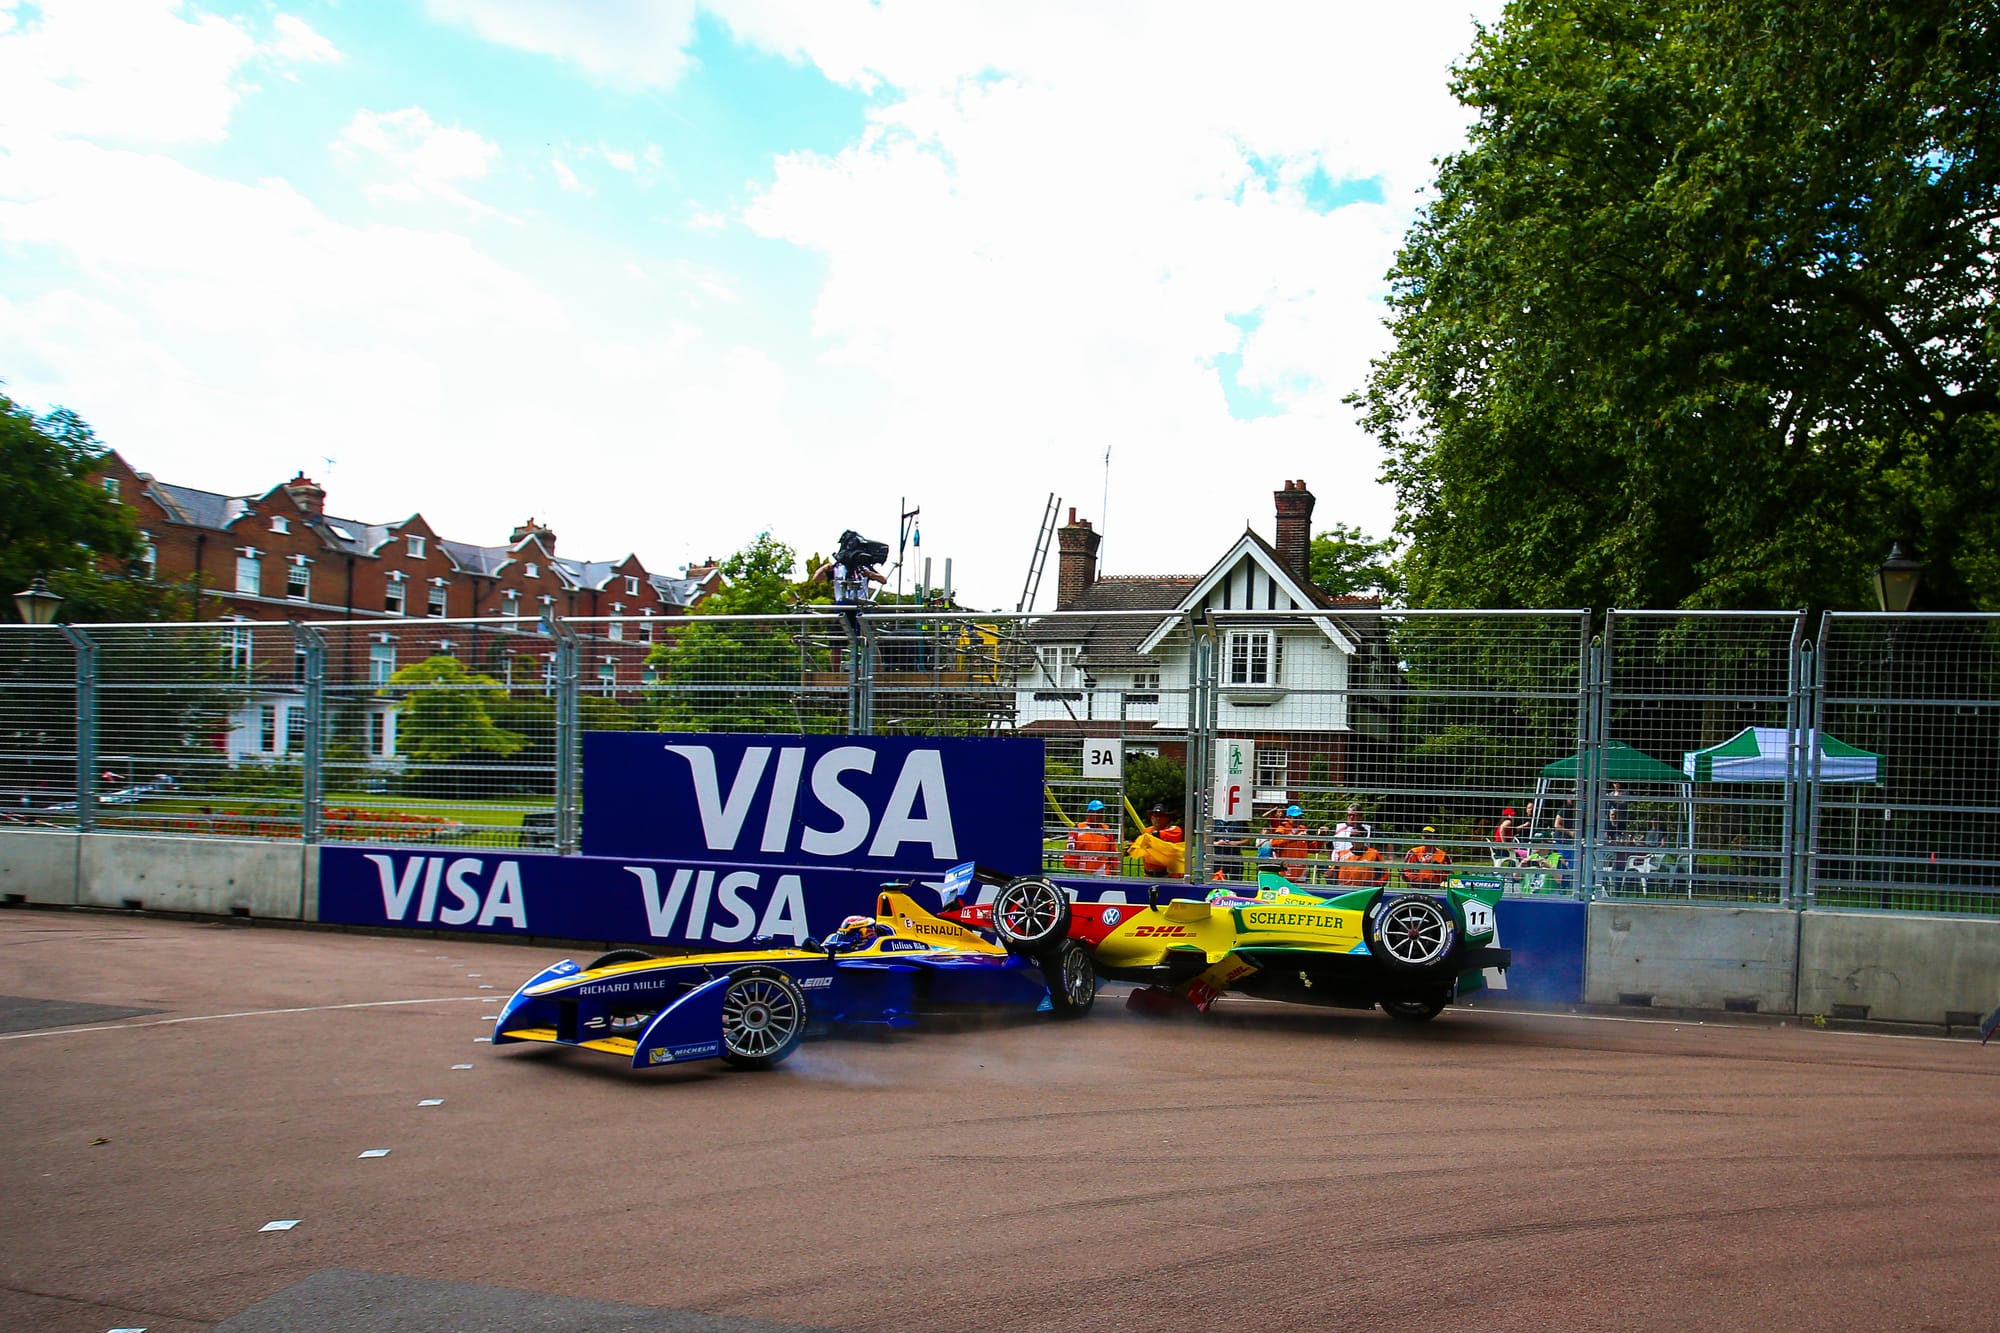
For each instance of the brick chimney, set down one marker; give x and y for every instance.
(1076, 560)
(1295, 516)
(307, 494)
(529, 529)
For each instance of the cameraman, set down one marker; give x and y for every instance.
(852, 570)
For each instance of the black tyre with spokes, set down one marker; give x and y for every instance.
(1031, 915)
(1411, 934)
(763, 1018)
(1072, 980)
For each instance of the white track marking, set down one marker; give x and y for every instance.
(247, 1013)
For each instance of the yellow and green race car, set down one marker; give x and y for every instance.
(1411, 954)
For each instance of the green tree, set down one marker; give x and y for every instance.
(54, 521)
(1701, 316)
(445, 713)
(720, 673)
(1347, 563)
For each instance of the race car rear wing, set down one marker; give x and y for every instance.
(958, 881)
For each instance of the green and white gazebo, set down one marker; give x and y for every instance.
(1764, 754)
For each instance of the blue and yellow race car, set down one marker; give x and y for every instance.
(751, 1008)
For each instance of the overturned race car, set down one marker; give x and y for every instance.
(751, 1008)
(1411, 954)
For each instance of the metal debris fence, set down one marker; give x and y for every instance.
(1851, 762)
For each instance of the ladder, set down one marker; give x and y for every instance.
(1040, 558)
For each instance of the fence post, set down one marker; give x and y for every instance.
(1592, 707)
(312, 795)
(860, 676)
(86, 727)
(568, 746)
(1201, 745)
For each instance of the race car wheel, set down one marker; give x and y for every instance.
(1411, 934)
(1031, 915)
(1414, 1011)
(1072, 980)
(618, 956)
(763, 1018)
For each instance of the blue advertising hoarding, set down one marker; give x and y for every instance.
(872, 803)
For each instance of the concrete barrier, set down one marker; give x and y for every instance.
(38, 866)
(216, 876)
(1687, 956)
(1899, 969)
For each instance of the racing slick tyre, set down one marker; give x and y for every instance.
(1072, 980)
(1411, 934)
(1414, 1011)
(1031, 915)
(763, 1017)
(618, 956)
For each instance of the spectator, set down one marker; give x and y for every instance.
(1350, 827)
(1292, 846)
(1507, 831)
(1159, 847)
(1232, 838)
(1614, 814)
(1093, 847)
(1423, 864)
(1361, 866)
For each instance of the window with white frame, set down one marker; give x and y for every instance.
(631, 585)
(616, 629)
(237, 646)
(249, 573)
(392, 596)
(1146, 680)
(607, 675)
(279, 523)
(1250, 657)
(149, 556)
(1059, 667)
(534, 570)
(510, 603)
(381, 662)
(267, 729)
(416, 546)
(646, 626)
(436, 607)
(1273, 768)
(298, 579)
(111, 489)
(295, 729)
(378, 734)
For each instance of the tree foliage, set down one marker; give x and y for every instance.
(445, 713)
(54, 522)
(1347, 563)
(726, 674)
(1701, 317)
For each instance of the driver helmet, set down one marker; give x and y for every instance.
(856, 932)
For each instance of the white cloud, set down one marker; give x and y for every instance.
(567, 178)
(626, 43)
(415, 156)
(151, 70)
(298, 43)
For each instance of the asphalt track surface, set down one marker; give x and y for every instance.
(169, 1087)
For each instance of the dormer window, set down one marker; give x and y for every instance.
(631, 585)
(416, 546)
(279, 523)
(534, 570)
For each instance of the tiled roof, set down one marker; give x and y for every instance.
(200, 509)
(1113, 641)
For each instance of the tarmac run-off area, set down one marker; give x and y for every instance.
(170, 1087)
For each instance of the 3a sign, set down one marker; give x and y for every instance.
(1103, 758)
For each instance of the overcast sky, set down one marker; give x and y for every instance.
(668, 274)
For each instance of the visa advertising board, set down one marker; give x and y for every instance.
(721, 840)
(877, 803)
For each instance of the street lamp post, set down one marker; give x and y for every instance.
(37, 604)
(1896, 580)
